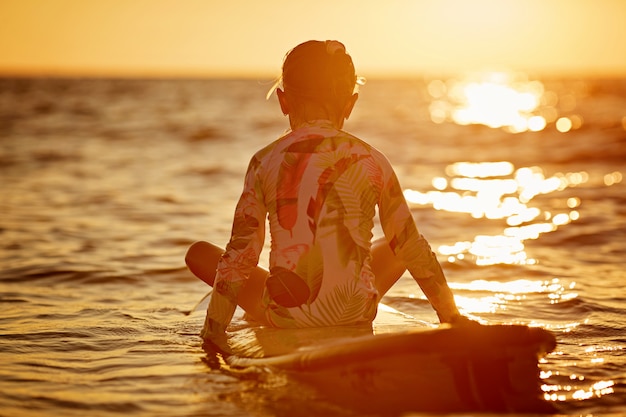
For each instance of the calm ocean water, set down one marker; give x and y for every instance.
(105, 183)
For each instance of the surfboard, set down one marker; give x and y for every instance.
(397, 364)
(400, 364)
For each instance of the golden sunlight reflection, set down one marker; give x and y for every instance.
(613, 178)
(498, 191)
(499, 295)
(508, 100)
(559, 393)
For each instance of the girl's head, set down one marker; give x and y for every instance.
(319, 82)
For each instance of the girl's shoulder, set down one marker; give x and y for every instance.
(319, 138)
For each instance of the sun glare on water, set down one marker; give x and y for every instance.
(498, 191)
(491, 296)
(506, 100)
(524, 202)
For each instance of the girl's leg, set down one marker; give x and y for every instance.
(202, 259)
(386, 266)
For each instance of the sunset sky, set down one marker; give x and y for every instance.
(250, 38)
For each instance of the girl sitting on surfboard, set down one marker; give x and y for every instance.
(319, 187)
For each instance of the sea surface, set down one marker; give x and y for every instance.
(516, 181)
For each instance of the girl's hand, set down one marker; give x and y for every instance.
(217, 343)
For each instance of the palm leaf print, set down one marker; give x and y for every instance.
(353, 197)
(342, 306)
(290, 173)
(404, 234)
(349, 249)
(395, 196)
(326, 183)
(243, 229)
(311, 266)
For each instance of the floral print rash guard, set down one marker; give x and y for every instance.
(319, 188)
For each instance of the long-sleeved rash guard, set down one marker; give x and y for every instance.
(319, 188)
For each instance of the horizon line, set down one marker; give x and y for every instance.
(156, 73)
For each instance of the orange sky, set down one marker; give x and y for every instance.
(245, 37)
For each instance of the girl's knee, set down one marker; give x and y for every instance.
(201, 259)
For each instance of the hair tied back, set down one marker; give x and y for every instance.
(334, 47)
